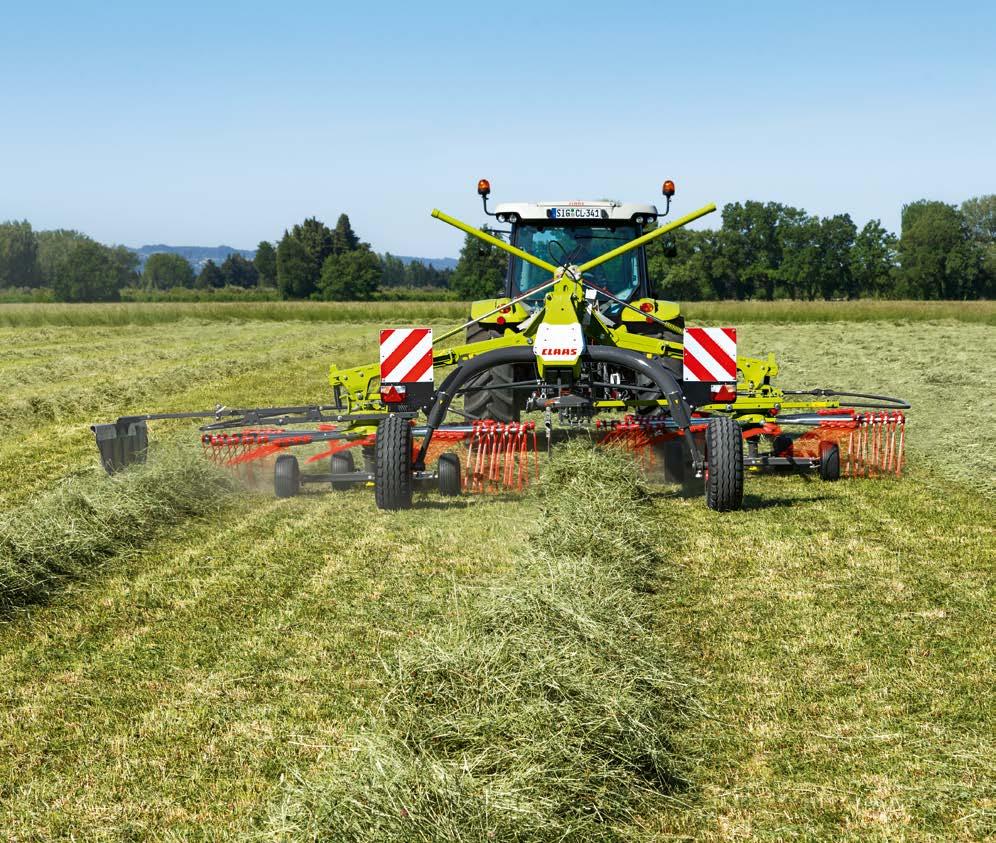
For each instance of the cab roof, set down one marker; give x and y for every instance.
(608, 210)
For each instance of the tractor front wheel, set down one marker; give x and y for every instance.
(724, 452)
(393, 475)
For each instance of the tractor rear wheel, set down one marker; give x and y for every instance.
(393, 476)
(286, 476)
(449, 474)
(724, 480)
(829, 461)
(342, 463)
(498, 404)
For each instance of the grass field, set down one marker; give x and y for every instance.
(819, 666)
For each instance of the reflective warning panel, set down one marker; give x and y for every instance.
(710, 354)
(406, 355)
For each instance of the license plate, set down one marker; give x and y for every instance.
(575, 213)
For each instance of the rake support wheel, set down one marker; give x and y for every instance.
(393, 477)
(724, 481)
(829, 461)
(286, 476)
(342, 463)
(449, 474)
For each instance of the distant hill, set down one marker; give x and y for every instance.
(197, 256)
(438, 263)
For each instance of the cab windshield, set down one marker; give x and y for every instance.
(577, 244)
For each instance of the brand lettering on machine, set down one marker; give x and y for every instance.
(559, 352)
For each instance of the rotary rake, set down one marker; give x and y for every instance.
(575, 337)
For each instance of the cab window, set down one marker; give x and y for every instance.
(560, 245)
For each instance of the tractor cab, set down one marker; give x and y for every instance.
(574, 232)
(578, 233)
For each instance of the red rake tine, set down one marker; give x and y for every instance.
(902, 445)
(509, 450)
(508, 453)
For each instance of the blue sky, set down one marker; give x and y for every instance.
(214, 123)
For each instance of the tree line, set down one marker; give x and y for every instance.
(773, 251)
(310, 261)
(762, 250)
(766, 250)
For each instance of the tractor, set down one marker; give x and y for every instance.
(578, 346)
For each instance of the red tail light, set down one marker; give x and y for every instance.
(392, 394)
(724, 392)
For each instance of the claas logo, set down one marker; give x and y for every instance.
(559, 352)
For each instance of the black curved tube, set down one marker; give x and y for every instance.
(894, 403)
(660, 376)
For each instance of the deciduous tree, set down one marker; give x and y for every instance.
(210, 277)
(95, 273)
(351, 276)
(18, 255)
(265, 262)
(296, 277)
(165, 270)
(480, 272)
(54, 249)
(238, 272)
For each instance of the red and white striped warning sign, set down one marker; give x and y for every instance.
(710, 354)
(406, 355)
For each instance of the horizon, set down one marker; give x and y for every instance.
(183, 124)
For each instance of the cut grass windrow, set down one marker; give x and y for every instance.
(66, 532)
(543, 710)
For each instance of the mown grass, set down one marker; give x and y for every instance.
(205, 682)
(544, 708)
(68, 532)
(842, 637)
(26, 315)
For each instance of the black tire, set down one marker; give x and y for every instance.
(781, 446)
(342, 463)
(286, 476)
(502, 405)
(724, 486)
(829, 461)
(393, 476)
(449, 474)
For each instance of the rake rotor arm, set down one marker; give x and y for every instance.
(495, 241)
